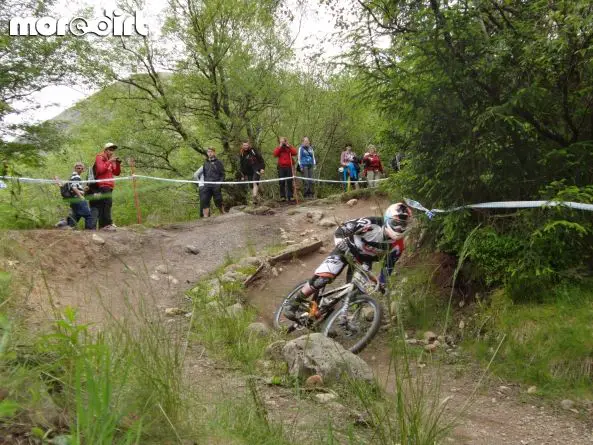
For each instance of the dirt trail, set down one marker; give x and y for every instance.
(492, 416)
(69, 268)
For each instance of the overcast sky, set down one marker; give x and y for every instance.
(316, 25)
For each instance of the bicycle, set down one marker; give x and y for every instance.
(359, 315)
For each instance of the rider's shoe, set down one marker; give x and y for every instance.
(292, 307)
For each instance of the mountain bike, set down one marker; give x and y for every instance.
(347, 313)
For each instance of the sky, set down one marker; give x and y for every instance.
(315, 25)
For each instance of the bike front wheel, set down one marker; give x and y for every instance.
(280, 321)
(355, 326)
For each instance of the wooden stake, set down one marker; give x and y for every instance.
(136, 200)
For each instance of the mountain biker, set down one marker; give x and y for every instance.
(368, 239)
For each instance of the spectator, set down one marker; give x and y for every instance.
(285, 152)
(213, 171)
(199, 176)
(107, 165)
(306, 160)
(396, 162)
(373, 169)
(346, 159)
(78, 205)
(252, 167)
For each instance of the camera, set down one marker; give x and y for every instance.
(284, 145)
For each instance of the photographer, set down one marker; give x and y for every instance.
(107, 165)
(285, 152)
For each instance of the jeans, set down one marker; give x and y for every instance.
(101, 203)
(308, 185)
(285, 185)
(80, 209)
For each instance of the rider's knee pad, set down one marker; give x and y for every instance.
(319, 282)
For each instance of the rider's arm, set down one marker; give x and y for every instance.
(390, 260)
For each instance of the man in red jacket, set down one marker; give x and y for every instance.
(285, 152)
(107, 165)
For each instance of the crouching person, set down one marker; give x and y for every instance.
(79, 206)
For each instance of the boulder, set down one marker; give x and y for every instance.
(327, 222)
(257, 328)
(567, 404)
(317, 354)
(315, 215)
(430, 336)
(274, 350)
(352, 202)
(314, 381)
(325, 397)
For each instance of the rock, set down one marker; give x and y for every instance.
(504, 389)
(173, 311)
(412, 341)
(318, 354)
(230, 276)
(532, 390)
(97, 239)
(213, 288)
(436, 343)
(327, 222)
(250, 261)
(194, 250)
(322, 250)
(235, 310)
(172, 279)
(461, 325)
(213, 306)
(315, 215)
(431, 347)
(368, 313)
(289, 242)
(257, 329)
(441, 338)
(325, 397)
(314, 381)
(352, 202)
(393, 308)
(275, 272)
(237, 209)
(430, 336)
(274, 350)
(260, 210)
(161, 268)
(154, 277)
(461, 303)
(567, 404)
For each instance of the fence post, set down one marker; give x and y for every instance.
(136, 200)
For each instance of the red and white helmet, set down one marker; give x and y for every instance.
(396, 220)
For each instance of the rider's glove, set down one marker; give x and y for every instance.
(382, 288)
(343, 245)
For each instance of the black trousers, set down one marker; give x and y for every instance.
(209, 191)
(285, 185)
(101, 204)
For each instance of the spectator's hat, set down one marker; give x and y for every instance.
(109, 145)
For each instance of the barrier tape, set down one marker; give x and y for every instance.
(179, 181)
(414, 204)
(501, 205)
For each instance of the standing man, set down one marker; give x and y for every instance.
(107, 165)
(213, 172)
(306, 160)
(285, 152)
(252, 167)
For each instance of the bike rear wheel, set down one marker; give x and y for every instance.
(363, 320)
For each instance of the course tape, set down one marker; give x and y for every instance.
(502, 205)
(179, 181)
(414, 204)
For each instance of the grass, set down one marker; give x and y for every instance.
(549, 345)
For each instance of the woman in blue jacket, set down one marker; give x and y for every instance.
(306, 160)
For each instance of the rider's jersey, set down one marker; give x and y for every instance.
(367, 240)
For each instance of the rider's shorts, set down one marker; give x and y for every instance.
(332, 266)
